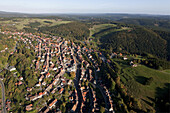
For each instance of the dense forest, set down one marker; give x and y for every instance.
(6, 42)
(165, 35)
(153, 23)
(75, 29)
(138, 40)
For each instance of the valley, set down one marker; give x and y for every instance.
(58, 64)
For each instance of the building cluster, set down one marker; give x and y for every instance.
(57, 60)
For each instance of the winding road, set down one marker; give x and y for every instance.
(3, 96)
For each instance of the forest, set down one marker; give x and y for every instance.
(139, 40)
(76, 30)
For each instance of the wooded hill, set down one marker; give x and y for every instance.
(75, 30)
(152, 23)
(135, 40)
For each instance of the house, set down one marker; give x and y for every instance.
(55, 81)
(55, 68)
(44, 83)
(38, 85)
(52, 104)
(94, 81)
(134, 65)
(41, 78)
(131, 62)
(19, 83)
(8, 105)
(69, 82)
(113, 55)
(42, 60)
(90, 72)
(29, 89)
(47, 110)
(49, 87)
(32, 98)
(98, 69)
(84, 96)
(12, 68)
(28, 107)
(37, 65)
(41, 94)
(71, 98)
(43, 72)
(53, 91)
(125, 58)
(47, 75)
(20, 78)
(61, 90)
(63, 81)
(74, 107)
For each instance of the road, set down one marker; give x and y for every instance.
(76, 83)
(3, 96)
(102, 92)
(104, 96)
(91, 100)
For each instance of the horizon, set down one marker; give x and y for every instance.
(60, 13)
(152, 7)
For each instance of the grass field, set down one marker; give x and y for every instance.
(167, 71)
(97, 28)
(134, 79)
(93, 41)
(20, 23)
(24, 22)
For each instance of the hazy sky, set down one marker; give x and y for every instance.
(87, 6)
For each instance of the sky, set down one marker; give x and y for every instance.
(87, 6)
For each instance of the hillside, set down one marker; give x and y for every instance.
(6, 46)
(132, 39)
(165, 35)
(152, 23)
(75, 30)
(135, 81)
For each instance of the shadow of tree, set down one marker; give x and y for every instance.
(141, 79)
(153, 100)
(163, 98)
(149, 103)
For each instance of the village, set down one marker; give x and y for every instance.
(62, 65)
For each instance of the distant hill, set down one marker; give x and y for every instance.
(87, 16)
(158, 23)
(12, 14)
(16, 14)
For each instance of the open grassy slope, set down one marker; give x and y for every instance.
(43, 22)
(102, 29)
(134, 80)
(97, 28)
(20, 23)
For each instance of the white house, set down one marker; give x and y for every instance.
(12, 68)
